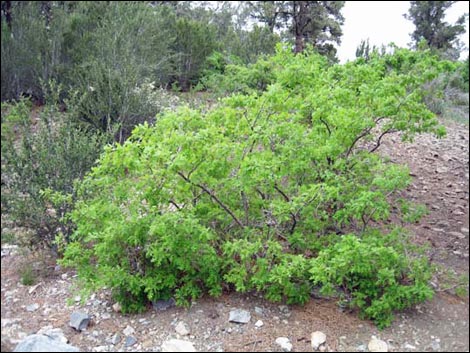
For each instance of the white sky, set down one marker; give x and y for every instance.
(383, 22)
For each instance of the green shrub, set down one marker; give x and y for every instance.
(373, 274)
(42, 150)
(235, 78)
(27, 275)
(245, 195)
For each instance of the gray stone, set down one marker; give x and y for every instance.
(376, 345)
(435, 346)
(318, 338)
(408, 346)
(116, 338)
(54, 333)
(259, 310)
(163, 305)
(129, 330)
(284, 343)
(182, 329)
(174, 345)
(42, 343)
(32, 307)
(7, 322)
(130, 341)
(361, 348)
(106, 316)
(259, 323)
(239, 316)
(457, 235)
(79, 320)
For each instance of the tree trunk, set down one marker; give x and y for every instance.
(6, 8)
(300, 18)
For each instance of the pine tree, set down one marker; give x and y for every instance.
(306, 22)
(428, 17)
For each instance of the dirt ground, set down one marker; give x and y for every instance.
(440, 170)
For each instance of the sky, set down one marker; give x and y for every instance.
(383, 22)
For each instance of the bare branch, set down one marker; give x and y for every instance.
(214, 197)
(377, 144)
(327, 126)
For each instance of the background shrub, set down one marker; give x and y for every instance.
(41, 149)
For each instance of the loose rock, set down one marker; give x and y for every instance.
(175, 345)
(182, 329)
(54, 333)
(79, 320)
(42, 343)
(163, 305)
(376, 345)
(284, 343)
(457, 235)
(117, 307)
(129, 330)
(258, 310)
(239, 316)
(259, 323)
(32, 307)
(318, 338)
(116, 338)
(130, 340)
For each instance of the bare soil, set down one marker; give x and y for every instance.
(440, 170)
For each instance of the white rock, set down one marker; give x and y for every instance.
(376, 345)
(457, 235)
(408, 346)
(117, 307)
(8, 322)
(318, 338)
(129, 330)
(32, 307)
(284, 343)
(239, 316)
(259, 323)
(182, 329)
(174, 345)
(33, 288)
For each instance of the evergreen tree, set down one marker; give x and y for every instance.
(428, 17)
(307, 22)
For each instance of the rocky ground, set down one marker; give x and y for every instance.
(441, 179)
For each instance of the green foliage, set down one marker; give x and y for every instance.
(106, 51)
(27, 275)
(42, 150)
(8, 237)
(428, 18)
(114, 75)
(373, 274)
(196, 41)
(305, 23)
(227, 78)
(30, 49)
(256, 191)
